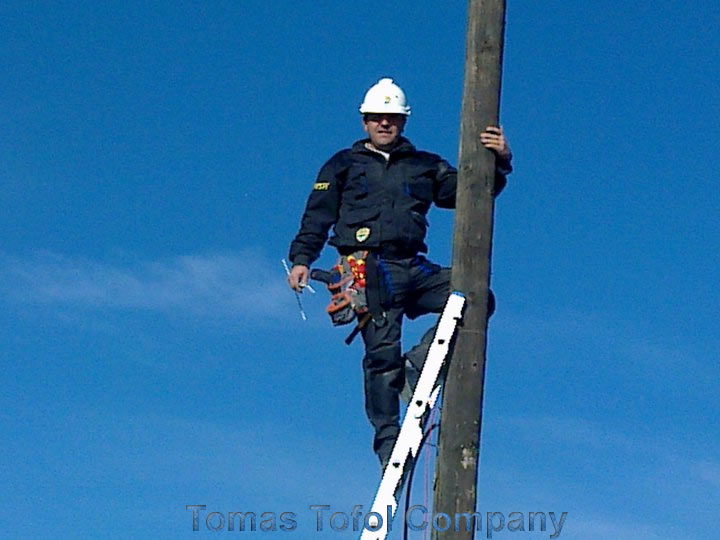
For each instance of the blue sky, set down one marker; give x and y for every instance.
(155, 160)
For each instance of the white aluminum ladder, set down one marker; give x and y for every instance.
(411, 433)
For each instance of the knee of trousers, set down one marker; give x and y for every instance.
(383, 358)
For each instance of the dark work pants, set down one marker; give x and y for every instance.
(412, 287)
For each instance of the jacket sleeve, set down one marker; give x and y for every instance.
(446, 181)
(321, 212)
(445, 184)
(503, 167)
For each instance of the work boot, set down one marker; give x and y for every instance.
(384, 451)
(411, 378)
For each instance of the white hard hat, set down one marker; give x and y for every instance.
(385, 97)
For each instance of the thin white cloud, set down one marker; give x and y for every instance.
(592, 529)
(576, 432)
(238, 284)
(708, 471)
(655, 473)
(662, 448)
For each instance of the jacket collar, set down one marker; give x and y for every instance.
(403, 146)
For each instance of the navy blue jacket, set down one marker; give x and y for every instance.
(375, 203)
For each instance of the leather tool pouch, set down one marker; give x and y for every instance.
(348, 289)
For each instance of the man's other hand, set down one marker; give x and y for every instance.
(494, 139)
(298, 277)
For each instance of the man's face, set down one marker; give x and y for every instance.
(384, 130)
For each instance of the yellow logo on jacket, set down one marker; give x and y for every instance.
(362, 234)
(321, 186)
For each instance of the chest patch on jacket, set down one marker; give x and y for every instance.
(362, 234)
(321, 186)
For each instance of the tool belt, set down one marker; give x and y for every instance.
(347, 289)
(354, 288)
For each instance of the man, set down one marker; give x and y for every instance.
(376, 195)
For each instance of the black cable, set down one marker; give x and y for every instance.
(410, 478)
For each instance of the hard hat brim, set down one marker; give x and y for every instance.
(390, 110)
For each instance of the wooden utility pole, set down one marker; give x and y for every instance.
(457, 466)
